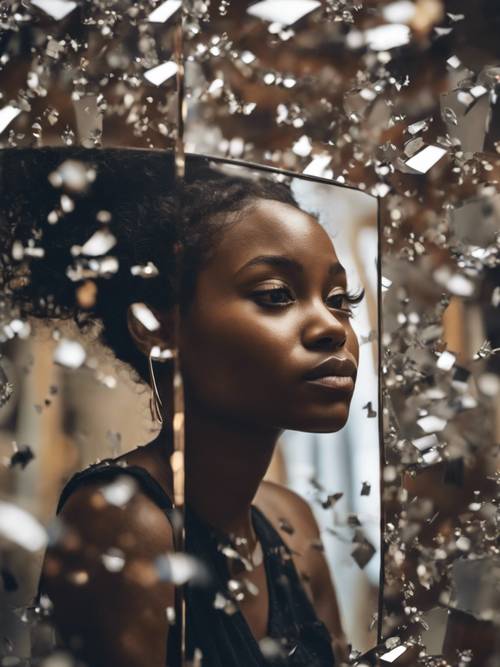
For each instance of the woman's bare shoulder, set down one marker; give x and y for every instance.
(288, 511)
(137, 525)
(102, 575)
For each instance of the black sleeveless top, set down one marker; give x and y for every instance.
(297, 637)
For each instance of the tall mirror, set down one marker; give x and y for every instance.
(233, 312)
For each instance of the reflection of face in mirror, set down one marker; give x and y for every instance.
(266, 344)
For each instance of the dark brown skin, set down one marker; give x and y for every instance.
(243, 361)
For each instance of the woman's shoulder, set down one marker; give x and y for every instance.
(288, 511)
(118, 500)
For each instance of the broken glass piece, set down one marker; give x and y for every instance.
(331, 500)
(119, 491)
(113, 560)
(7, 115)
(20, 527)
(271, 649)
(425, 159)
(6, 388)
(401, 11)
(22, 456)
(426, 442)
(302, 146)
(393, 654)
(161, 73)
(148, 270)
(364, 550)
(446, 361)
(57, 9)
(370, 412)
(145, 316)
(179, 568)
(170, 612)
(69, 353)
(387, 37)
(98, 244)
(281, 13)
(225, 604)
(318, 166)
(432, 423)
(164, 11)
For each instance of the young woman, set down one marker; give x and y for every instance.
(265, 344)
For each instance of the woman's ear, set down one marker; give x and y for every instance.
(150, 327)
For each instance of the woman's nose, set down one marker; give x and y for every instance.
(324, 330)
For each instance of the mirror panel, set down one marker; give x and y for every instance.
(72, 220)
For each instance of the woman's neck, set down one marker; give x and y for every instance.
(225, 463)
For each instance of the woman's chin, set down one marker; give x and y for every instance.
(323, 421)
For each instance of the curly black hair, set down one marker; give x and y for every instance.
(148, 212)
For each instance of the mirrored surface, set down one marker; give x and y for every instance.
(93, 273)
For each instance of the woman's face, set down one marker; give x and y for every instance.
(268, 309)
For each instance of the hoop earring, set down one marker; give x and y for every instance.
(155, 404)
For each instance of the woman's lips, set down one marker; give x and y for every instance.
(343, 383)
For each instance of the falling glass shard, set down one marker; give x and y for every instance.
(284, 13)
(426, 442)
(164, 11)
(366, 488)
(454, 62)
(318, 166)
(148, 270)
(69, 353)
(476, 222)
(472, 589)
(432, 423)
(20, 527)
(22, 456)
(99, 243)
(425, 159)
(456, 283)
(471, 116)
(88, 120)
(7, 115)
(417, 127)
(145, 316)
(393, 654)
(363, 552)
(120, 491)
(387, 37)
(302, 146)
(57, 9)
(401, 11)
(72, 175)
(161, 73)
(446, 361)
(113, 560)
(6, 388)
(179, 568)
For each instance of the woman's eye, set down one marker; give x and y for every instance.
(340, 302)
(279, 296)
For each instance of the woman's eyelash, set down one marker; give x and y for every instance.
(352, 298)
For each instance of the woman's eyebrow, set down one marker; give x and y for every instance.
(281, 261)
